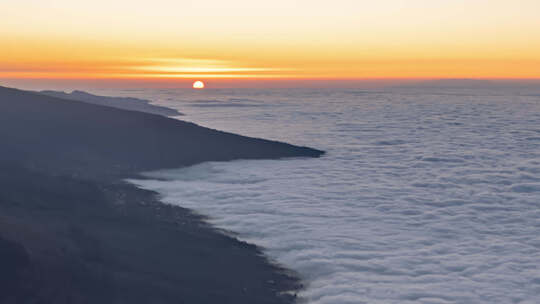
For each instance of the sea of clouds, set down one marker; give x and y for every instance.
(428, 196)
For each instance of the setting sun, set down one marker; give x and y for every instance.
(198, 85)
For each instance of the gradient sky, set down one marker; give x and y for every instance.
(215, 40)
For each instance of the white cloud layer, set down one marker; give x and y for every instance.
(426, 197)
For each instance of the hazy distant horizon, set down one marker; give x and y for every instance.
(70, 84)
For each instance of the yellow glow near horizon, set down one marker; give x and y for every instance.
(280, 39)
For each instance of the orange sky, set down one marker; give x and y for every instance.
(242, 41)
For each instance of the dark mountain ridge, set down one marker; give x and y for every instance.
(126, 103)
(87, 140)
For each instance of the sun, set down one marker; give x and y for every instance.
(198, 84)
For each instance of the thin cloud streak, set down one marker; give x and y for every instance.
(181, 69)
(168, 66)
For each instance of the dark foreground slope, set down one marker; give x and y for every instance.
(72, 232)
